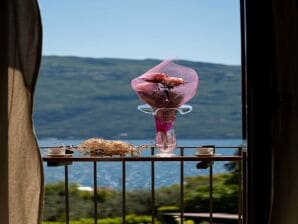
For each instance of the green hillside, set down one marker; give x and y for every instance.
(85, 97)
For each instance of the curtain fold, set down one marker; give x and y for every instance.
(285, 122)
(23, 172)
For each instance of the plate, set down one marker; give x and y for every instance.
(59, 155)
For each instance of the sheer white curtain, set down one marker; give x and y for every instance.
(21, 171)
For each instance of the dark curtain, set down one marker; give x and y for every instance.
(272, 102)
(21, 170)
(285, 117)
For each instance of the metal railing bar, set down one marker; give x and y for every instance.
(66, 194)
(211, 194)
(152, 188)
(95, 190)
(185, 147)
(123, 190)
(181, 187)
(217, 147)
(141, 159)
(227, 147)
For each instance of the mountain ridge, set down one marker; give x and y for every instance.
(81, 97)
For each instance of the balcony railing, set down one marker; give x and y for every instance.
(240, 158)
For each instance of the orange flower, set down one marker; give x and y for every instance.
(155, 77)
(171, 82)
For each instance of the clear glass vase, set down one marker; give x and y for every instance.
(165, 138)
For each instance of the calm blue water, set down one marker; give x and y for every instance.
(138, 173)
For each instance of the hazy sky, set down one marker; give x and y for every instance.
(198, 30)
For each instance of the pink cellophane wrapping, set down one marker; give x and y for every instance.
(158, 95)
(165, 88)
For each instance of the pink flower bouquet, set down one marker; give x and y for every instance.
(165, 88)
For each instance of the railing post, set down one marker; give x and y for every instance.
(123, 190)
(211, 193)
(240, 190)
(152, 188)
(95, 190)
(66, 194)
(244, 185)
(181, 186)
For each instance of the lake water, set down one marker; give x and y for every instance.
(137, 173)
